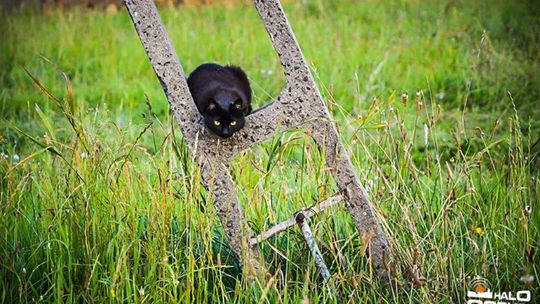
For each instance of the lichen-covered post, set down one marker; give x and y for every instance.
(302, 102)
(355, 196)
(211, 155)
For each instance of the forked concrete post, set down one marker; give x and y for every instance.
(298, 105)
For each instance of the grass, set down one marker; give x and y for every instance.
(101, 202)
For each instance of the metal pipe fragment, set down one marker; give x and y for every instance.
(308, 212)
(302, 221)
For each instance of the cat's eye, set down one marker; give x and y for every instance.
(216, 122)
(233, 123)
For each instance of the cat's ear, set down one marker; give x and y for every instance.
(240, 105)
(211, 105)
(243, 82)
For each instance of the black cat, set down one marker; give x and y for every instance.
(222, 95)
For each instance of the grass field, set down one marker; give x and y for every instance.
(100, 202)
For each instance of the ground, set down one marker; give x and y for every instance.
(436, 101)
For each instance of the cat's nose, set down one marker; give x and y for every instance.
(226, 132)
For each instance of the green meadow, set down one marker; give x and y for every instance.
(437, 102)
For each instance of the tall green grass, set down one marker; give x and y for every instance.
(100, 200)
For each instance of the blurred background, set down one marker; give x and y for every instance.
(459, 51)
(61, 4)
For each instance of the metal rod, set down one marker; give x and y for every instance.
(302, 221)
(308, 212)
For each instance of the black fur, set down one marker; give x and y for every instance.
(222, 96)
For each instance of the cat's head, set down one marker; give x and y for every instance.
(225, 113)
